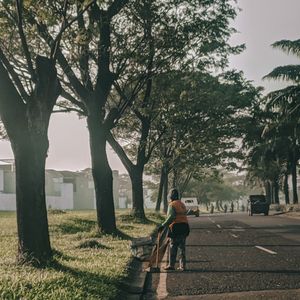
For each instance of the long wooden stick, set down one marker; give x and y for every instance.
(157, 249)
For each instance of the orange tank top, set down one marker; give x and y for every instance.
(180, 210)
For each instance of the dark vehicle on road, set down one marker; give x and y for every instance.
(258, 205)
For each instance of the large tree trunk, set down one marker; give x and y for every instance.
(26, 121)
(102, 175)
(30, 157)
(294, 181)
(286, 189)
(136, 176)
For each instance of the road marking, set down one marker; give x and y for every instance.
(211, 220)
(219, 226)
(266, 250)
(234, 235)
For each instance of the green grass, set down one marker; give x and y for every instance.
(86, 265)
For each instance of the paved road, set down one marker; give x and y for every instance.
(235, 256)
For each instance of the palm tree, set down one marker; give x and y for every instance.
(286, 103)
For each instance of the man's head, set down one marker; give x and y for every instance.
(174, 195)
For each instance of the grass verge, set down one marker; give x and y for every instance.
(86, 265)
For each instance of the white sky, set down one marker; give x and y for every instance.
(260, 23)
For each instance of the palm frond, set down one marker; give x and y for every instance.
(286, 102)
(283, 97)
(288, 46)
(289, 72)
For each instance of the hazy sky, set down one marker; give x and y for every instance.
(260, 23)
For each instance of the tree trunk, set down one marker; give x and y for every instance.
(136, 176)
(268, 191)
(160, 189)
(294, 181)
(276, 192)
(165, 193)
(286, 189)
(30, 157)
(218, 205)
(175, 179)
(26, 123)
(271, 192)
(102, 175)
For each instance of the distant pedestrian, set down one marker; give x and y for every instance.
(178, 230)
(231, 207)
(225, 208)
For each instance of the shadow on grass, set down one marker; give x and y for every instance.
(87, 285)
(122, 235)
(92, 243)
(59, 254)
(133, 219)
(76, 225)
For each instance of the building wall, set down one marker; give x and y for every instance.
(84, 195)
(65, 201)
(53, 184)
(1, 180)
(7, 202)
(64, 189)
(9, 181)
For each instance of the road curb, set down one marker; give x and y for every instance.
(135, 282)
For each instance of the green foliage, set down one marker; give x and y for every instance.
(288, 73)
(86, 265)
(201, 119)
(175, 36)
(274, 138)
(288, 46)
(216, 187)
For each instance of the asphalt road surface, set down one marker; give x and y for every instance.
(235, 256)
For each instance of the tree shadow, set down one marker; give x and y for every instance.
(92, 244)
(122, 235)
(76, 225)
(131, 218)
(91, 285)
(58, 254)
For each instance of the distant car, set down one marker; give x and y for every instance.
(258, 205)
(192, 206)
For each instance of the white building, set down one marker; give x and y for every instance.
(64, 189)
